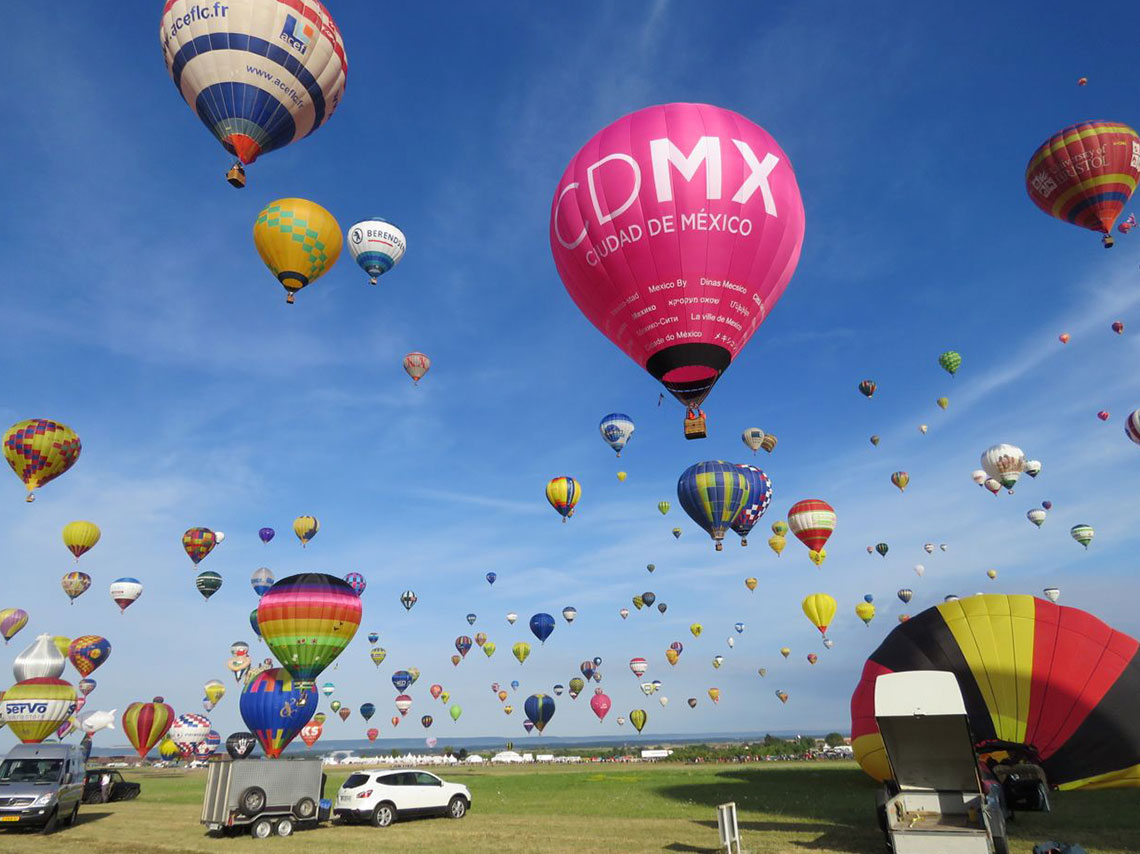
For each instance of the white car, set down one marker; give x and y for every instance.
(382, 797)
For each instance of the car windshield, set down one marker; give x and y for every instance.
(30, 770)
(355, 781)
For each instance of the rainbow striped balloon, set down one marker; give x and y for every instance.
(307, 620)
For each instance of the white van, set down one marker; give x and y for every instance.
(41, 785)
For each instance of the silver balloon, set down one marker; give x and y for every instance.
(41, 660)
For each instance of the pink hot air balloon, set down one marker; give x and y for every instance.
(676, 230)
(600, 703)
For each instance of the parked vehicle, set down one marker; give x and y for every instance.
(382, 797)
(267, 797)
(103, 785)
(936, 802)
(41, 785)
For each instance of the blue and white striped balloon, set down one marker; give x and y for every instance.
(260, 74)
(616, 429)
(377, 246)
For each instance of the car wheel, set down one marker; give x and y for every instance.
(132, 794)
(285, 827)
(383, 815)
(305, 809)
(261, 829)
(1001, 845)
(456, 807)
(251, 801)
(50, 824)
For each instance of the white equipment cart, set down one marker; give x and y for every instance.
(936, 803)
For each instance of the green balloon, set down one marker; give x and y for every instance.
(456, 711)
(638, 717)
(950, 361)
(208, 583)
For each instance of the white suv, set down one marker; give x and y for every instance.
(381, 797)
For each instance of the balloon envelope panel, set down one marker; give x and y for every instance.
(1051, 677)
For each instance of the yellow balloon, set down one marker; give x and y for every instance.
(820, 609)
(621, 476)
(714, 694)
(696, 629)
(62, 644)
(750, 583)
(780, 528)
(298, 240)
(521, 651)
(992, 573)
(818, 557)
(167, 749)
(671, 655)
(306, 527)
(776, 543)
(943, 402)
(865, 611)
(214, 690)
(80, 537)
(785, 651)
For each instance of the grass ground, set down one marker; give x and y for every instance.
(785, 807)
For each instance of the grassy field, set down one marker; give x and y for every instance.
(785, 807)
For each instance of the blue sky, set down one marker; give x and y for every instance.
(140, 314)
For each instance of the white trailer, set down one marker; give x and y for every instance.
(936, 803)
(270, 796)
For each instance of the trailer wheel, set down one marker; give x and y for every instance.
(261, 829)
(1001, 845)
(305, 809)
(285, 827)
(251, 801)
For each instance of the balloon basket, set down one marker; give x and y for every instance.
(1108, 240)
(696, 428)
(236, 176)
